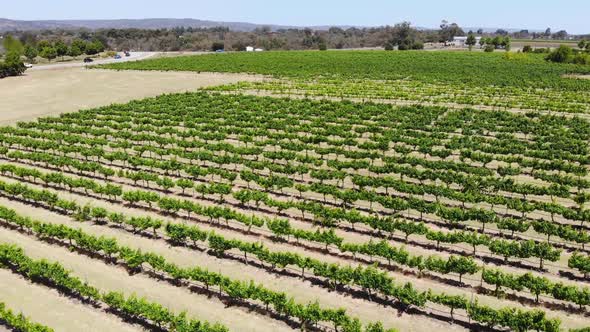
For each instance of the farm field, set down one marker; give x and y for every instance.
(464, 79)
(345, 191)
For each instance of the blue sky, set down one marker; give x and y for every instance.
(571, 15)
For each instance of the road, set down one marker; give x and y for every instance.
(135, 56)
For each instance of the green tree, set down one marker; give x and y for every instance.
(404, 36)
(482, 42)
(31, 53)
(471, 41)
(12, 44)
(562, 54)
(61, 49)
(79, 44)
(507, 43)
(94, 47)
(74, 51)
(13, 64)
(48, 53)
(497, 41)
(448, 31)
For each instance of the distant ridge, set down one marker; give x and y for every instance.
(168, 23)
(148, 23)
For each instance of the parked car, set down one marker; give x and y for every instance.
(87, 60)
(28, 65)
(117, 56)
(127, 53)
(220, 51)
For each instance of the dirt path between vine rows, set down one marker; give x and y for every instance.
(112, 278)
(302, 291)
(55, 91)
(46, 306)
(401, 102)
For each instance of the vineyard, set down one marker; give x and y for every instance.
(455, 79)
(225, 210)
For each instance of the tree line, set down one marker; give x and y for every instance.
(402, 36)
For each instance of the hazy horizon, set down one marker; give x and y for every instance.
(533, 15)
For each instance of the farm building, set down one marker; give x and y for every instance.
(252, 49)
(461, 40)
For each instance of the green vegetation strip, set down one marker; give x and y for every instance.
(20, 323)
(55, 275)
(474, 68)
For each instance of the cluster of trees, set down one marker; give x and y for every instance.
(58, 48)
(401, 35)
(205, 39)
(566, 54)
(490, 44)
(11, 65)
(404, 37)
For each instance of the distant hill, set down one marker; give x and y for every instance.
(149, 23)
(167, 23)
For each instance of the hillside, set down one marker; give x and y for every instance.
(149, 23)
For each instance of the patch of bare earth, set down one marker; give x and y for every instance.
(577, 76)
(52, 92)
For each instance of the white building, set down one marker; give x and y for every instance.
(258, 50)
(249, 49)
(461, 41)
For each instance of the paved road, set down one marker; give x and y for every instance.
(133, 57)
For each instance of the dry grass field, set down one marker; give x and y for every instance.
(51, 92)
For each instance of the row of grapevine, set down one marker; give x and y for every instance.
(19, 322)
(369, 278)
(55, 275)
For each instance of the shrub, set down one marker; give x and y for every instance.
(527, 49)
(561, 55)
(418, 45)
(489, 48)
(581, 59)
(389, 47)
